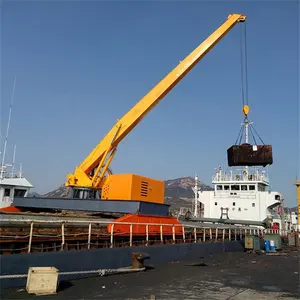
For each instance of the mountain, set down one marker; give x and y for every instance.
(179, 193)
(182, 187)
(60, 192)
(33, 194)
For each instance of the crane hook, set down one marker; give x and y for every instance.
(246, 110)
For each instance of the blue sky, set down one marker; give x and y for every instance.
(80, 65)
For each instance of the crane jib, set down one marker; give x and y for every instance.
(101, 156)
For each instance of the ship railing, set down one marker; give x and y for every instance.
(240, 178)
(54, 235)
(273, 214)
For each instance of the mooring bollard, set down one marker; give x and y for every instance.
(138, 260)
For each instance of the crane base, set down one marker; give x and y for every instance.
(104, 206)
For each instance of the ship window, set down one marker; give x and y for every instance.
(235, 187)
(239, 209)
(84, 194)
(261, 187)
(19, 193)
(251, 187)
(277, 197)
(233, 203)
(253, 204)
(244, 188)
(6, 192)
(219, 187)
(216, 203)
(226, 187)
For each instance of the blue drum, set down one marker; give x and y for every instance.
(267, 246)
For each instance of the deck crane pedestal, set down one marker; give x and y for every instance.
(93, 178)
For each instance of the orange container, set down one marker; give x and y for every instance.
(140, 229)
(133, 187)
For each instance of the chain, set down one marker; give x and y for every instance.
(100, 272)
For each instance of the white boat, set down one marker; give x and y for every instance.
(12, 184)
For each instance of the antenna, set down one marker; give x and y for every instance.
(13, 163)
(7, 130)
(21, 170)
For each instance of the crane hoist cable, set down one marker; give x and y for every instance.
(240, 136)
(247, 153)
(244, 87)
(244, 67)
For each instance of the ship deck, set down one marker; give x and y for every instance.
(224, 276)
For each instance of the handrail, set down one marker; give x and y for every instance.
(195, 234)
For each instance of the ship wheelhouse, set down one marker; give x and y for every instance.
(243, 194)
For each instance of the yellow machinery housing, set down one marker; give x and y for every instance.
(133, 187)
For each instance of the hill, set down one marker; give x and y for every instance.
(182, 187)
(178, 192)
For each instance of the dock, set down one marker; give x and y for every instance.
(223, 276)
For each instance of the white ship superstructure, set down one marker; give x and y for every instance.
(241, 195)
(12, 185)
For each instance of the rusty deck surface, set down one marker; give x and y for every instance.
(224, 276)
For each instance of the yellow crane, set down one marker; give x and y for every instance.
(93, 174)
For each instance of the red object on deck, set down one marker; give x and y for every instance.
(275, 226)
(10, 209)
(166, 222)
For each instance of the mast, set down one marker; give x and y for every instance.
(246, 125)
(13, 163)
(21, 170)
(196, 197)
(7, 130)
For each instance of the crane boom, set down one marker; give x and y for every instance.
(91, 172)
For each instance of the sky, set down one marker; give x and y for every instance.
(81, 65)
